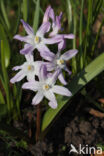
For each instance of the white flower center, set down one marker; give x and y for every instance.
(60, 62)
(37, 39)
(30, 68)
(46, 87)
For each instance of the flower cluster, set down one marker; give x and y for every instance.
(47, 72)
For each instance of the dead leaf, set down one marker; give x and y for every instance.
(96, 113)
(101, 100)
(98, 154)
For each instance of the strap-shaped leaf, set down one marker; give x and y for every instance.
(6, 46)
(3, 110)
(2, 101)
(3, 9)
(79, 81)
(36, 16)
(25, 10)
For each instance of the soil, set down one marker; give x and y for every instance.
(75, 126)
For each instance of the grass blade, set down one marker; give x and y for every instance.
(88, 30)
(82, 78)
(69, 12)
(5, 76)
(6, 46)
(80, 36)
(97, 10)
(74, 61)
(2, 101)
(25, 10)
(41, 11)
(36, 16)
(17, 19)
(5, 14)
(97, 37)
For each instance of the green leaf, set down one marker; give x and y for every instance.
(5, 80)
(25, 9)
(36, 16)
(82, 78)
(4, 14)
(3, 109)
(2, 101)
(41, 11)
(74, 59)
(80, 35)
(6, 46)
(88, 31)
(69, 12)
(17, 18)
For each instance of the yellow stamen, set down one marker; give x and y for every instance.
(46, 87)
(62, 61)
(37, 39)
(29, 67)
(59, 62)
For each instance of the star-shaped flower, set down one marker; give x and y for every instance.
(46, 87)
(36, 41)
(56, 26)
(58, 61)
(28, 69)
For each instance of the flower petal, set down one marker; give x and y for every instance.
(29, 57)
(56, 27)
(32, 85)
(58, 23)
(26, 39)
(62, 45)
(54, 32)
(52, 80)
(50, 95)
(50, 66)
(61, 90)
(42, 48)
(17, 68)
(52, 15)
(18, 77)
(61, 78)
(28, 48)
(48, 55)
(53, 40)
(52, 104)
(31, 76)
(43, 73)
(44, 28)
(60, 16)
(38, 65)
(69, 54)
(69, 36)
(38, 98)
(46, 14)
(67, 70)
(27, 27)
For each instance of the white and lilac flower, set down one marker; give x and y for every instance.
(56, 26)
(28, 69)
(36, 41)
(46, 87)
(58, 61)
(56, 21)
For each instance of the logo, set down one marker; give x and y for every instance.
(85, 149)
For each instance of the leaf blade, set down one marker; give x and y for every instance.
(36, 16)
(76, 84)
(7, 53)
